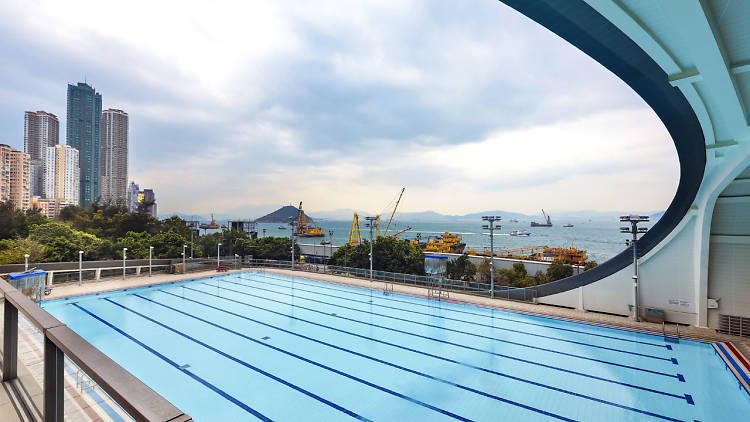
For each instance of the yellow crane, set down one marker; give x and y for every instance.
(394, 211)
(355, 238)
(399, 232)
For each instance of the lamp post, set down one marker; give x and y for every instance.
(150, 253)
(80, 267)
(235, 260)
(124, 256)
(293, 224)
(264, 232)
(330, 242)
(371, 224)
(634, 230)
(218, 255)
(26, 260)
(491, 220)
(192, 231)
(184, 268)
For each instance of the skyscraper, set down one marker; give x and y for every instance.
(83, 133)
(62, 174)
(40, 130)
(114, 156)
(14, 177)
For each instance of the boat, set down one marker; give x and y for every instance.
(210, 226)
(282, 227)
(447, 243)
(305, 230)
(548, 222)
(520, 233)
(568, 225)
(513, 220)
(570, 256)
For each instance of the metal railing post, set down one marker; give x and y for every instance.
(53, 382)
(10, 340)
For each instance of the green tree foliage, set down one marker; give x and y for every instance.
(389, 254)
(461, 268)
(12, 251)
(589, 265)
(559, 270)
(62, 243)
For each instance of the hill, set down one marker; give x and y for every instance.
(282, 215)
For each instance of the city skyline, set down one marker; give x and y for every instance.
(486, 118)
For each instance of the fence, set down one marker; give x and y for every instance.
(470, 287)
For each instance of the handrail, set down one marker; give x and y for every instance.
(135, 397)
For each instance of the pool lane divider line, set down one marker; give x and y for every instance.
(672, 360)
(677, 376)
(403, 348)
(428, 376)
(580, 343)
(244, 363)
(334, 370)
(320, 365)
(177, 366)
(735, 362)
(494, 317)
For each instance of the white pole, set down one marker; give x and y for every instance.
(150, 252)
(124, 256)
(218, 255)
(80, 267)
(26, 259)
(184, 268)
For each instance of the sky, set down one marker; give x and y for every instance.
(241, 107)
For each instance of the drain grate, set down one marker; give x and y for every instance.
(265, 338)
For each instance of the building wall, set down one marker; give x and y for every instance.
(14, 177)
(83, 132)
(114, 156)
(40, 130)
(62, 174)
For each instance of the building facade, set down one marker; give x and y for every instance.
(137, 196)
(132, 199)
(114, 165)
(83, 132)
(62, 174)
(49, 207)
(40, 130)
(14, 177)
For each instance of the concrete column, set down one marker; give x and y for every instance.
(50, 277)
(137, 271)
(98, 274)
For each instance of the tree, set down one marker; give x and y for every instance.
(559, 270)
(461, 268)
(589, 265)
(389, 254)
(12, 251)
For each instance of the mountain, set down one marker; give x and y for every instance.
(282, 215)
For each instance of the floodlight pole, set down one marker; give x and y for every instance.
(192, 232)
(491, 219)
(293, 224)
(150, 253)
(124, 256)
(80, 267)
(184, 268)
(370, 221)
(26, 260)
(634, 230)
(218, 256)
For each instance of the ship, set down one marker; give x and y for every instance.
(520, 233)
(282, 227)
(513, 220)
(210, 226)
(306, 230)
(446, 243)
(570, 256)
(548, 222)
(568, 225)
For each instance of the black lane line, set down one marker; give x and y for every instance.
(247, 365)
(672, 360)
(318, 364)
(205, 383)
(389, 298)
(394, 365)
(580, 343)
(678, 376)
(415, 350)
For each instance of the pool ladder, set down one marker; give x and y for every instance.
(668, 338)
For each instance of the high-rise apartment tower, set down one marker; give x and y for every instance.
(114, 156)
(83, 133)
(62, 174)
(14, 177)
(40, 130)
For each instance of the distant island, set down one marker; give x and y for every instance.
(282, 216)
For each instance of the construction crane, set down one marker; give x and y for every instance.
(399, 232)
(355, 238)
(394, 211)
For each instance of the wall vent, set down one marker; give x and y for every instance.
(734, 325)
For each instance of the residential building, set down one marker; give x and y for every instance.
(62, 173)
(148, 196)
(14, 177)
(83, 132)
(49, 207)
(40, 130)
(132, 199)
(114, 155)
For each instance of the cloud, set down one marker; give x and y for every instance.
(340, 102)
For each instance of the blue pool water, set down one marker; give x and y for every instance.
(253, 345)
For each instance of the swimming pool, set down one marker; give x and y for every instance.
(252, 345)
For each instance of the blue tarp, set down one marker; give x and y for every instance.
(32, 273)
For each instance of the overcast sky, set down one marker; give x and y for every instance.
(241, 107)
